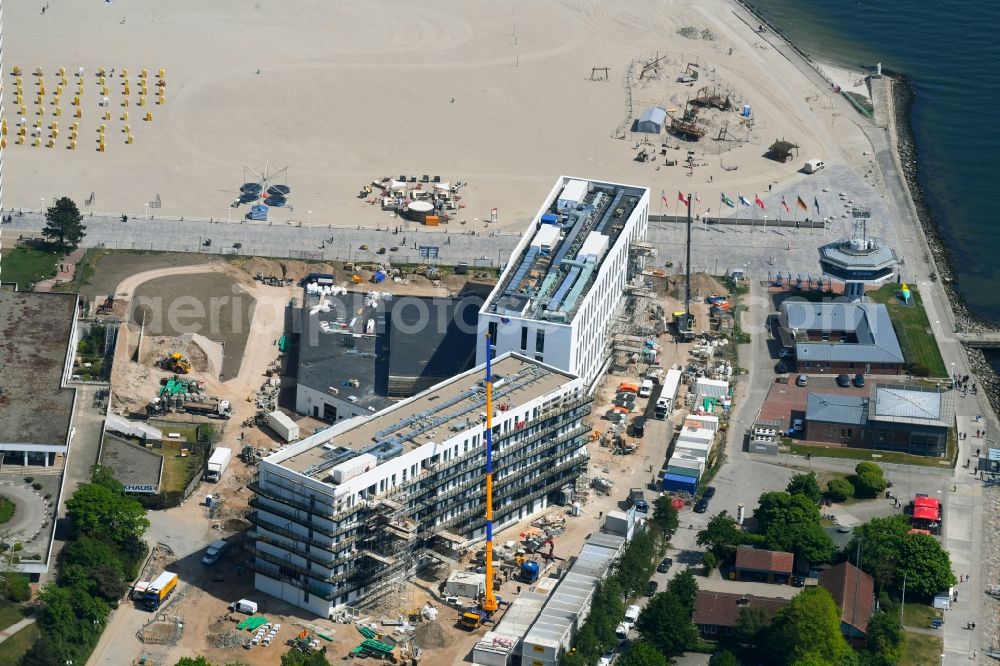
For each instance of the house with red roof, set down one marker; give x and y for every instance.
(717, 614)
(854, 592)
(764, 566)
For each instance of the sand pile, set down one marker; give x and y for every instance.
(289, 269)
(431, 635)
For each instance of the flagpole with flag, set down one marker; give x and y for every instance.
(663, 200)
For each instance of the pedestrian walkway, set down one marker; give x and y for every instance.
(14, 628)
(65, 270)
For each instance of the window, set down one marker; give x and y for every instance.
(540, 342)
(492, 330)
(524, 338)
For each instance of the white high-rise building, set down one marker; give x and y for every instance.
(566, 280)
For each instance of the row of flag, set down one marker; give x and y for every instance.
(746, 203)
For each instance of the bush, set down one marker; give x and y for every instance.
(29, 479)
(919, 370)
(36, 486)
(869, 480)
(839, 490)
(710, 561)
(18, 547)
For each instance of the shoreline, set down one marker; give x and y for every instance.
(903, 142)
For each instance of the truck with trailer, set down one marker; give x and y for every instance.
(218, 463)
(158, 590)
(283, 426)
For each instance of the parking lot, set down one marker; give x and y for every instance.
(786, 402)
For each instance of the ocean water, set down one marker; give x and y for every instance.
(949, 50)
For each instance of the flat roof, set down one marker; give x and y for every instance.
(35, 330)
(568, 601)
(549, 284)
(914, 405)
(434, 415)
(370, 348)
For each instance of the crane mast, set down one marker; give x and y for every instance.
(490, 604)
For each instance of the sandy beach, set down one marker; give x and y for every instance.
(496, 95)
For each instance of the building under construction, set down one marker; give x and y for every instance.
(345, 516)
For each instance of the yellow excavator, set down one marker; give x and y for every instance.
(175, 363)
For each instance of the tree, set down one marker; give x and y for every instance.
(104, 476)
(807, 631)
(574, 658)
(724, 658)
(64, 224)
(587, 642)
(886, 640)
(97, 511)
(805, 484)
(750, 625)
(792, 523)
(925, 565)
(607, 611)
(709, 561)
(642, 654)
(722, 535)
(879, 541)
(635, 566)
(193, 661)
(664, 522)
(869, 480)
(666, 623)
(890, 553)
(839, 489)
(295, 658)
(685, 588)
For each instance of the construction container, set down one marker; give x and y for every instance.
(349, 469)
(465, 584)
(283, 426)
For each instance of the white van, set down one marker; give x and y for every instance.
(812, 166)
(244, 606)
(214, 552)
(632, 614)
(646, 388)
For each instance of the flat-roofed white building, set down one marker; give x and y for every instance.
(567, 279)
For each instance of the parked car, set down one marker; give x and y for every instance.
(664, 565)
(843, 381)
(606, 659)
(709, 492)
(639, 426)
(799, 581)
(798, 425)
(652, 588)
(701, 506)
(801, 380)
(214, 552)
(784, 352)
(859, 380)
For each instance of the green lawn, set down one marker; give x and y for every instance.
(26, 266)
(9, 614)
(7, 508)
(822, 451)
(14, 647)
(912, 329)
(922, 650)
(916, 614)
